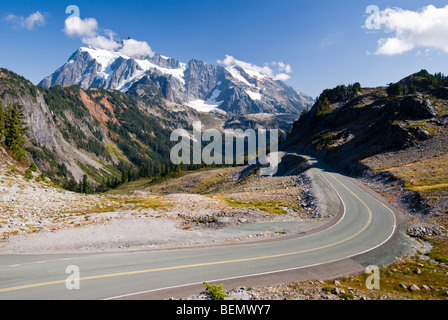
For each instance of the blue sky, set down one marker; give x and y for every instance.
(323, 42)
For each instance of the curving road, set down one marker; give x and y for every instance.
(364, 225)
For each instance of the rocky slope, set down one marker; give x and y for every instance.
(394, 137)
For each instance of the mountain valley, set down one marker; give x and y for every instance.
(109, 149)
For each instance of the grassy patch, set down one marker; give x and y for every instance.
(439, 251)
(101, 209)
(145, 203)
(324, 141)
(425, 125)
(396, 279)
(266, 206)
(424, 176)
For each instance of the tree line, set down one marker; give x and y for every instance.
(130, 172)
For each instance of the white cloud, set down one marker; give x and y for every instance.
(282, 77)
(136, 49)
(102, 42)
(283, 67)
(35, 19)
(87, 29)
(230, 61)
(75, 26)
(392, 46)
(426, 28)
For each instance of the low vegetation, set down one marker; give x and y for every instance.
(215, 292)
(271, 207)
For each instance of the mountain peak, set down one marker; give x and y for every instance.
(191, 84)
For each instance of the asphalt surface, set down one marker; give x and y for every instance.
(364, 224)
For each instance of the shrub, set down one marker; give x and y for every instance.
(215, 292)
(395, 90)
(328, 289)
(42, 177)
(28, 174)
(357, 87)
(33, 167)
(347, 296)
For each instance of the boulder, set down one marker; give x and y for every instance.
(414, 287)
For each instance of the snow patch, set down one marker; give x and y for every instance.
(206, 105)
(202, 106)
(177, 73)
(254, 95)
(254, 73)
(104, 57)
(237, 75)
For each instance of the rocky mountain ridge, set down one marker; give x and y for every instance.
(196, 84)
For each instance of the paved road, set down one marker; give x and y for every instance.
(364, 225)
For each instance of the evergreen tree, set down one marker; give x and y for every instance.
(395, 90)
(85, 185)
(72, 185)
(357, 87)
(15, 130)
(125, 176)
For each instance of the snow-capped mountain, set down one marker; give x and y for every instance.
(197, 84)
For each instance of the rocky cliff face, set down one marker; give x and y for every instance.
(197, 84)
(347, 126)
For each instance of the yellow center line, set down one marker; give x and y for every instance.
(205, 263)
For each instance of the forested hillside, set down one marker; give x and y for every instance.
(90, 140)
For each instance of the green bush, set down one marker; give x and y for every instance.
(33, 167)
(347, 296)
(28, 174)
(215, 292)
(42, 177)
(328, 289)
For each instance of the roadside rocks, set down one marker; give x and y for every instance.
(423, 231)
(338, 291)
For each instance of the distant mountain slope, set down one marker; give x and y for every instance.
(383, 132)
(73, 132)
(196, 84)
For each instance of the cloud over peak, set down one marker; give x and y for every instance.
(87, 29)
(280, 74)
